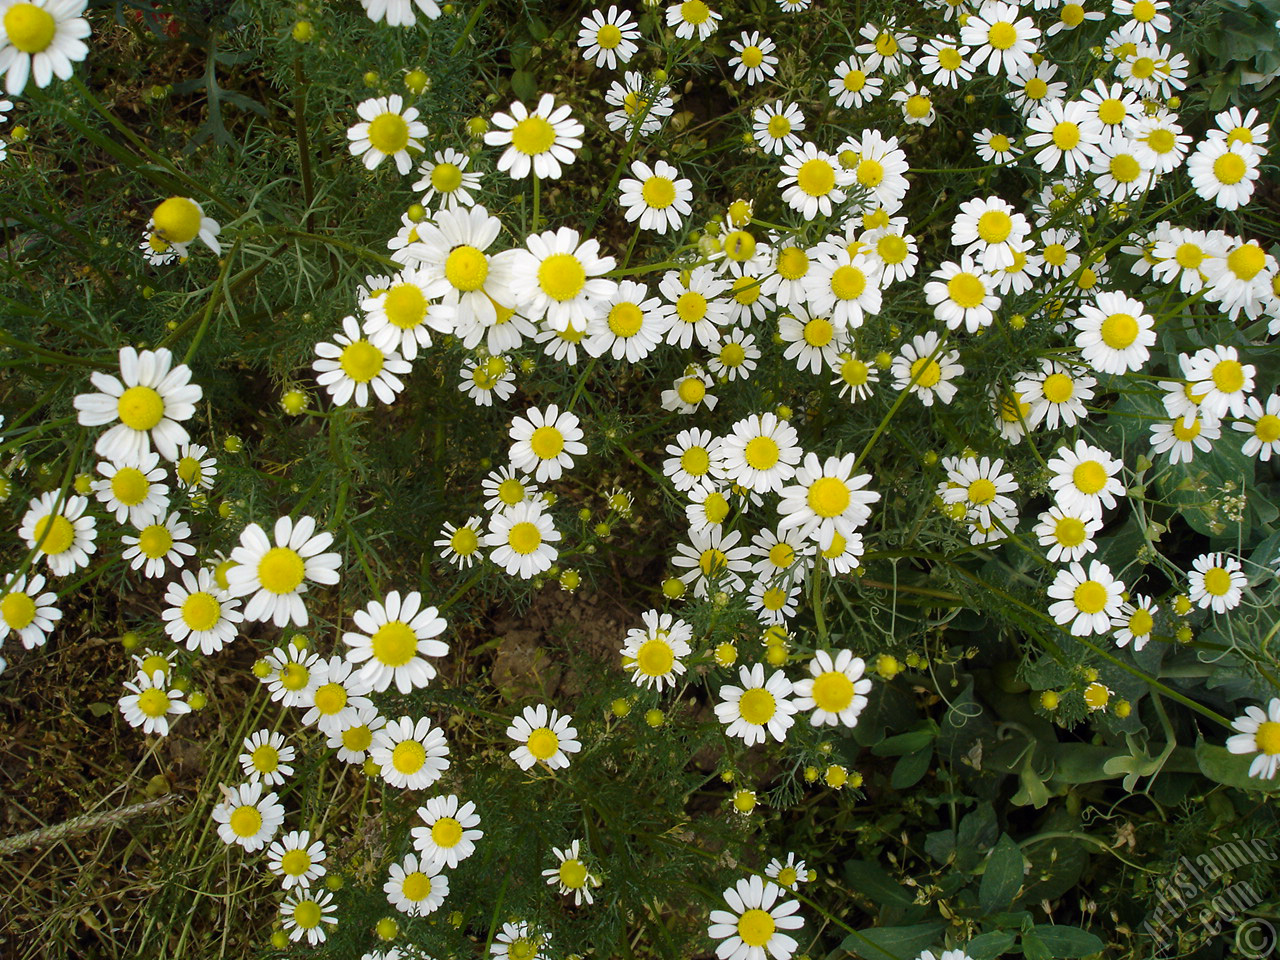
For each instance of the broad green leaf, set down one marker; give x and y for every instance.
(1222, 766)
(1065, 943)
(895, 943)
(909, 770)
(523, 85)
(1003, 877)
(870, 880)
(989, 946)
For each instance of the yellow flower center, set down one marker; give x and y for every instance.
(818, 332)
(1217, 581)
(918, 106)
(1267, 429)
(394, 643)
(1140, 623)
(994, 226)
(658, 192)
(140, 408)
(949, 58)
(832, 692)
(1069, 531)
(1144, 11)
(761, 453)
(446, 177)
(307, 914)
(828, 497)
(546, 443)
(408, 756)
(389, 133)
(1058, 388)
(1089, 477)
(793, 263)
(17, 610)
(295, 863)
(926, 372)
(511, 491)
(1096, 695)
(1119, 330)
(357, 739)
(1124, 168)
(464, 542)
(694, 11)
(1002, 35)
(655, 658)
(405, 305)
(446, 832)
(1066, 135)
(1090, 596)
(695, 461)
(1229, 168)
(1247, 261)
(816, 177)
(847, 283)
(967, 290)
(543, 743)
(1228, 376)
(1240, 135)
(177, 219)
(562, 276)
(739, 246)
(153, 702)
(752, 56)
(712, 561)
(331, 698)
(778, 126)
(522, 949)
(201, 611)
(155, 540)
(265, 758)
(886, 45)
(417, 886)
(1188, 256)
(1161, 140)
(245, 821)
(573, 874)
(732, 354)
(466, 268)
(837, 548)
(294, 676)
(1035, 88)
(855, 80)
(1186, 433)
(782, 555)
(1268, 737)
(981, 491)
(188, 471)
(129, 486)
(608, 37)
(281, 570)
(533, 135)
(361, 360)
(691, 306)
(634, 104)
(757, 706)
(625, 320)
(524, 538)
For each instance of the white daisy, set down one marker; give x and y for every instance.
(1069, 536)
(157, 544)
(1115, 333)
(416, 889)
(352, 365)
(609, 39)
(293, 675)
(760, 453)
(852, 86)
(267, 759)
(353, 741)
(1182, 436)
(845, 288)
(751, 929)
(926, 369)
(1135, 622)
(981, 487)
(1220, 380)
(755, 60)
(713, 558)
(27, 612)
(759, 708)
(1065, 133)
(39, 39)
(149, 703)
(813, 180)
(482, 379)
(386, 129)
(1215, 581)
(826, 499)
(411, 755)
(571, 875)
(776, 127)
(628, 325)
(658, 196)
(652, 653)
(1259, 732)
(305, 912)
(643, 104)
(199, 614)
(544, 442)
(1263, 426)
(248, 818)
(135, 494)
(448, 835)
(537, 142)
(400, 317)
(991, 230)
(697, 305)
(963, 295)
(398, 13)
(296, 859)
(335, 704)
(1085, 479)
(1000, 37)
(278, 574)
(694, 458)
(692, 17)
(522, 539)
(446, 181)
(1085, 602)
(545, 736)
(563, 278)
(505, 487)
(836, 691)
(391, 639)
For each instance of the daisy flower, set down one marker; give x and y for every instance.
(193, 470)
(641, 101)
(484, 379)
(1034, 84)
(544, 443)
(27, 612)
(1224, 173)
(845, 288)
(417, 890)
(1085, 480)
(1234, 127)
(996, 147)
(708, 507)
(518, 941)
(267, 759)
(448, 834)
(774, 603)
(199, 614)
(1215, 581)
(458, 272)
(694, 458)
(561, 345)
(658, 197)
(1159, 143)
(812, 342)
(504, 488)
(296, 859)
(447, 182)
(791, 873)
(1183, 436)
(305, 912)
(692, 17)
(158, 544)
(544, 735)
(135, 493)
(813, 180)
(1059, 261)
(836, 691)
(571, 875)
(963, 295)
(1000, 38)
(1153, 70)
(391, 639)
(760, 453)
(1085, 602)
(1135, 622)
(149, 703)
(293, 675)
(336, 701)
(411, 755)
(851, 86)
(1069, 536)
(1115, 333)
(1057, 394)
(651, 654)
(826, 499)
(628, 324)
(155, 249)
(755, 59)
(1259, 732)
(752, 928)
(386, 130)
(177, 221)
(537, 142)
(759, 708)
(991, 230)
(1241, 275)
(943, 62)
(248, 818)
(563, 278)
(981, 487)
(916, 103)
(854, 376)
(148, 400)
(397, 13)
(522, 539)
(354, 740)
(776, 127)
(1220, 380)
(926, 369)
(1063, 133)
(735, 356)
(1118, 172)
(607, 39)
(352, 365)
(697, 305)
(1263, 426)
(278, 574)
(713, 557)
(399, 318)
(888, 49)
(39, 40)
